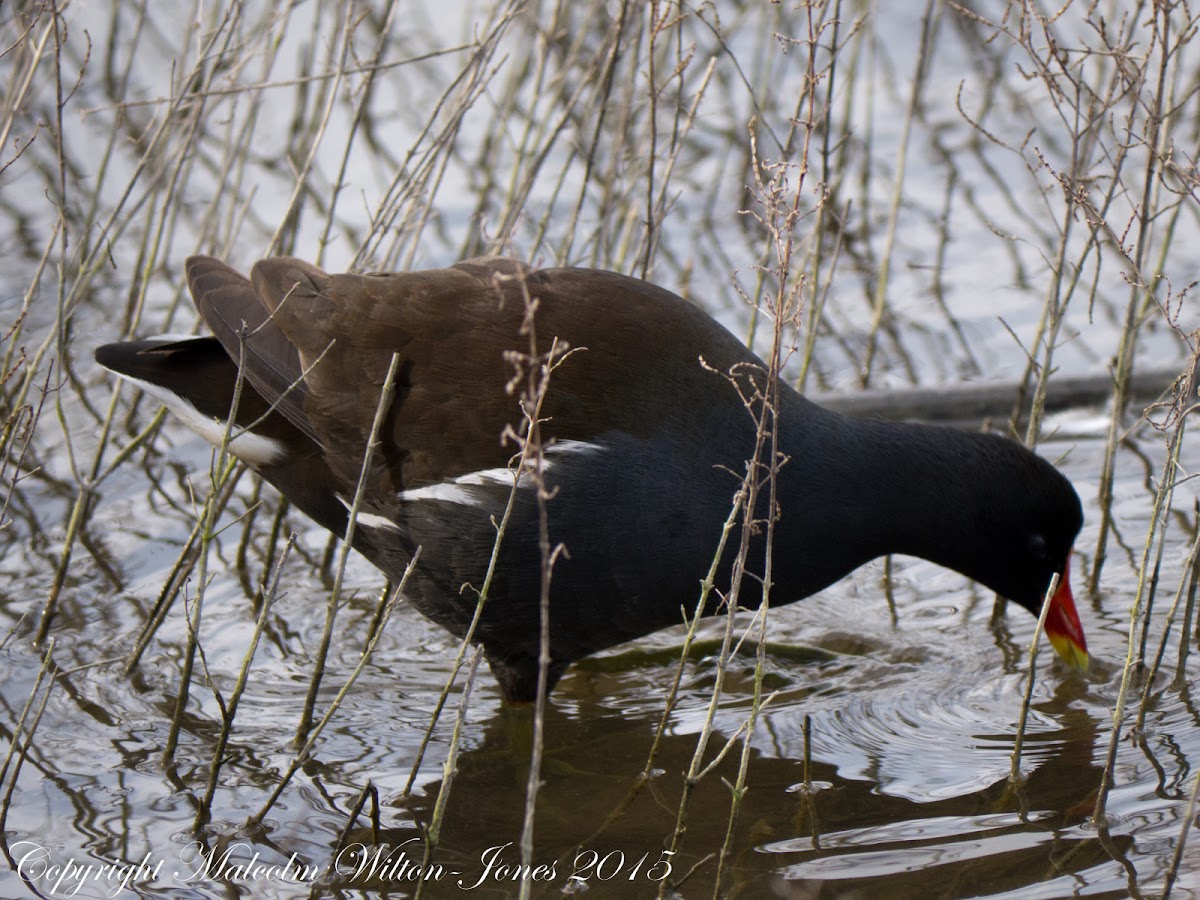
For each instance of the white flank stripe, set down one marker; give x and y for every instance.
(253, 449)
(450, 491)
(567, 448)
(373, 521)
(456, 490)
(484, 477)
(370, 520)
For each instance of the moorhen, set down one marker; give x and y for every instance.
(645, 439)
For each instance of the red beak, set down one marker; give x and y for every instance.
(1062, 624)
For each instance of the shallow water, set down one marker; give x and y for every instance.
(913, 716)
(911, 737)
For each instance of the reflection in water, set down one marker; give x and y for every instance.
(879, 734)
(991, 839)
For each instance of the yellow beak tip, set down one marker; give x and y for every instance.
(1070, 652)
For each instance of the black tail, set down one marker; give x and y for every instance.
(196, 378)
(197, 370)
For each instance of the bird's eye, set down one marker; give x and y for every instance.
(1037, 546)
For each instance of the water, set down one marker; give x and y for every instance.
(913, 717)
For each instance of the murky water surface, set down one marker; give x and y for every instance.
(912, 716)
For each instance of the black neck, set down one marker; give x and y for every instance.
(878, 487)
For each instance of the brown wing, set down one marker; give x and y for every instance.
(637, 359)
(240, 321)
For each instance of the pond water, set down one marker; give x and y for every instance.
(454, 129)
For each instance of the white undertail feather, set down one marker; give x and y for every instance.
(253, 449)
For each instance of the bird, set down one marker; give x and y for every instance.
(647, 411)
